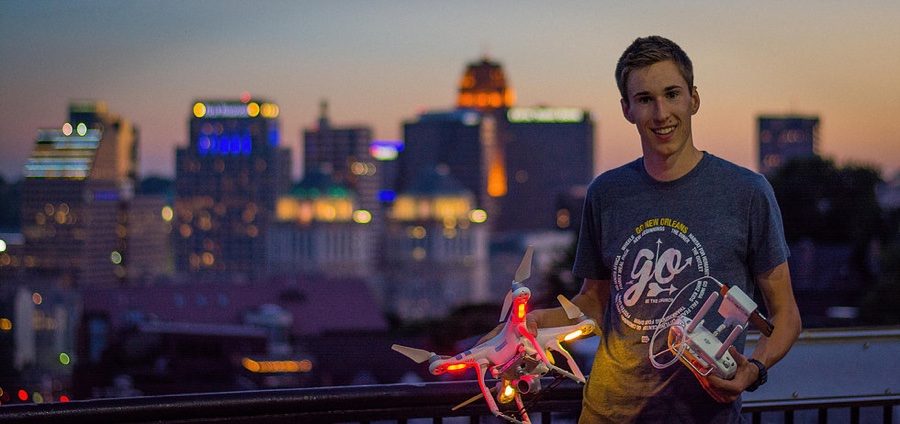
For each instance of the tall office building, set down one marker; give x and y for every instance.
(784, 137)
(227, 182)
(508, 157)
(344, 152)
(549, 152)
(78, 182)
(455, 139)
(483, 87)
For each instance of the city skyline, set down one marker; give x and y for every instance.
(381, 63)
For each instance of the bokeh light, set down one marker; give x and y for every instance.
(199, 110)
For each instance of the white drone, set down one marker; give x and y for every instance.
(514, 356)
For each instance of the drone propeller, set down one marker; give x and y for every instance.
(524, 270)
(507, 302)
(522, 274)
(572, 311)
(417, 355)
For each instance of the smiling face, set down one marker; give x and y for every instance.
(660, 104)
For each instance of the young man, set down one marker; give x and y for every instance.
(651, 230)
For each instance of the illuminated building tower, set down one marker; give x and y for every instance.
(319, 230)
(549, 151)
(437, 248)
(78, 182)
(227, 182)
(483, 87)
(783, 137)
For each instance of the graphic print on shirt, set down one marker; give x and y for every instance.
(654, 264)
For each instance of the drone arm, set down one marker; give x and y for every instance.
(482, 367)
(523, 331)
(571, 361)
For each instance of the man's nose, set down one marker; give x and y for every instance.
(660, 110)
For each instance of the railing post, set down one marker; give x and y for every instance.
(789, 416)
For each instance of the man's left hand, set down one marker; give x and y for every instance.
(727, 391)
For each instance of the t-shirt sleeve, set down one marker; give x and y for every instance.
(588, 253)
(768, 247)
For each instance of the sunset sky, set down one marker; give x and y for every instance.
(381, 62)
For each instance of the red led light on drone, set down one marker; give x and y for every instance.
(456, 367)
(520, 311)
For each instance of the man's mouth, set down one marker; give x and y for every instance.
(663, 130)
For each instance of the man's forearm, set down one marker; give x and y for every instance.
(779, 297)
(770, 350)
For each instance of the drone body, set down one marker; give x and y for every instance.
(514, 356)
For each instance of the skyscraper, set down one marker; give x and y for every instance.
(227, 181)
(78, 182)
(454, 139)
(549, 151)
(506, 156)
(784, 137)
(344, 153)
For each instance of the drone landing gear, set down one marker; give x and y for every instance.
(492, 405)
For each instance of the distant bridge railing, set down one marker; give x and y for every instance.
(399, 403)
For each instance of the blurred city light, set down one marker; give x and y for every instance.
(362, 216)
(268, 367)
(167, 213)
(199, 110)
(253, 109)
(478, 216)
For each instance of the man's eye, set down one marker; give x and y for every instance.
(643, 100)
(672, 94)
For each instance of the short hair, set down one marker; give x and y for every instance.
(646, 51)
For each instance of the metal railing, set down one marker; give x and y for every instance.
(397, 403)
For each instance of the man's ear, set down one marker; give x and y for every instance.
(695, 100)
(626, 110)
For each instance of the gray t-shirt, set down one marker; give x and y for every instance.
(656, 242)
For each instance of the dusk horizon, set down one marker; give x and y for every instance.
(380, 64)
